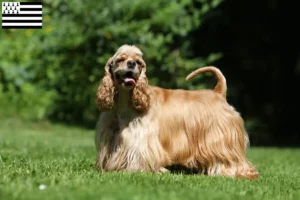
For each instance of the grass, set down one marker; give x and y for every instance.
(62, 158)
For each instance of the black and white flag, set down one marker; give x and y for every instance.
(22, 15)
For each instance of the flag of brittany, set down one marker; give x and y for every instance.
(22, 14)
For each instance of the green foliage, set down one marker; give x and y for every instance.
(55, 71)
(62, 158)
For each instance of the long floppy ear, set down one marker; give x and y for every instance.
(106, 89)
(141, 93)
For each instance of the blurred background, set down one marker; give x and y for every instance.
(53, 73)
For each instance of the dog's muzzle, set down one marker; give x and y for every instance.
(126, 77)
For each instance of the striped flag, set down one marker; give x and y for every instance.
(22, 14)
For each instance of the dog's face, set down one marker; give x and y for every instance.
(127, 65)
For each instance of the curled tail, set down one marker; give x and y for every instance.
(221, 86)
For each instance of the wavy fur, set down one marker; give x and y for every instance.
(106, 90)
(150, 128)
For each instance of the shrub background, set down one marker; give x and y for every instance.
(52, 73)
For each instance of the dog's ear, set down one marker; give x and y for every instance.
(106, 89)
(108, 67)
(141, 93)
(143, 65)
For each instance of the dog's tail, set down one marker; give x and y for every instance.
(221, 86)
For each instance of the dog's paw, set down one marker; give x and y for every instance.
(162, 170)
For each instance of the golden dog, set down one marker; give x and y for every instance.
(147, 128)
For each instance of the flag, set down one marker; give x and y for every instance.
(22, 14)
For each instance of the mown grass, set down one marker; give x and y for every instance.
(62, 159)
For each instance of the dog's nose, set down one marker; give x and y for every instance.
(131, 64)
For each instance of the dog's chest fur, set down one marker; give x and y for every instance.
(124, 111)
(124, 118)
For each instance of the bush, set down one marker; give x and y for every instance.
(54, 72)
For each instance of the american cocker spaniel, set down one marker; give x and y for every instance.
(147, 128)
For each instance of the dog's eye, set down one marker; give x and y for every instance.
(120, 60)
(138, 62)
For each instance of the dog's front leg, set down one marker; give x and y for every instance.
(106, 130)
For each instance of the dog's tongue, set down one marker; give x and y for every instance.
(129, 80)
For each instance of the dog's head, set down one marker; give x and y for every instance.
(127, 65)
(125, 70)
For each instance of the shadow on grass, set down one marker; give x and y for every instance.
(179, 169)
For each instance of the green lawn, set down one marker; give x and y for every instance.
(62, 159)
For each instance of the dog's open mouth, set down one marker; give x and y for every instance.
(126, 79)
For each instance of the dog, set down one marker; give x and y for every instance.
(143, 128)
